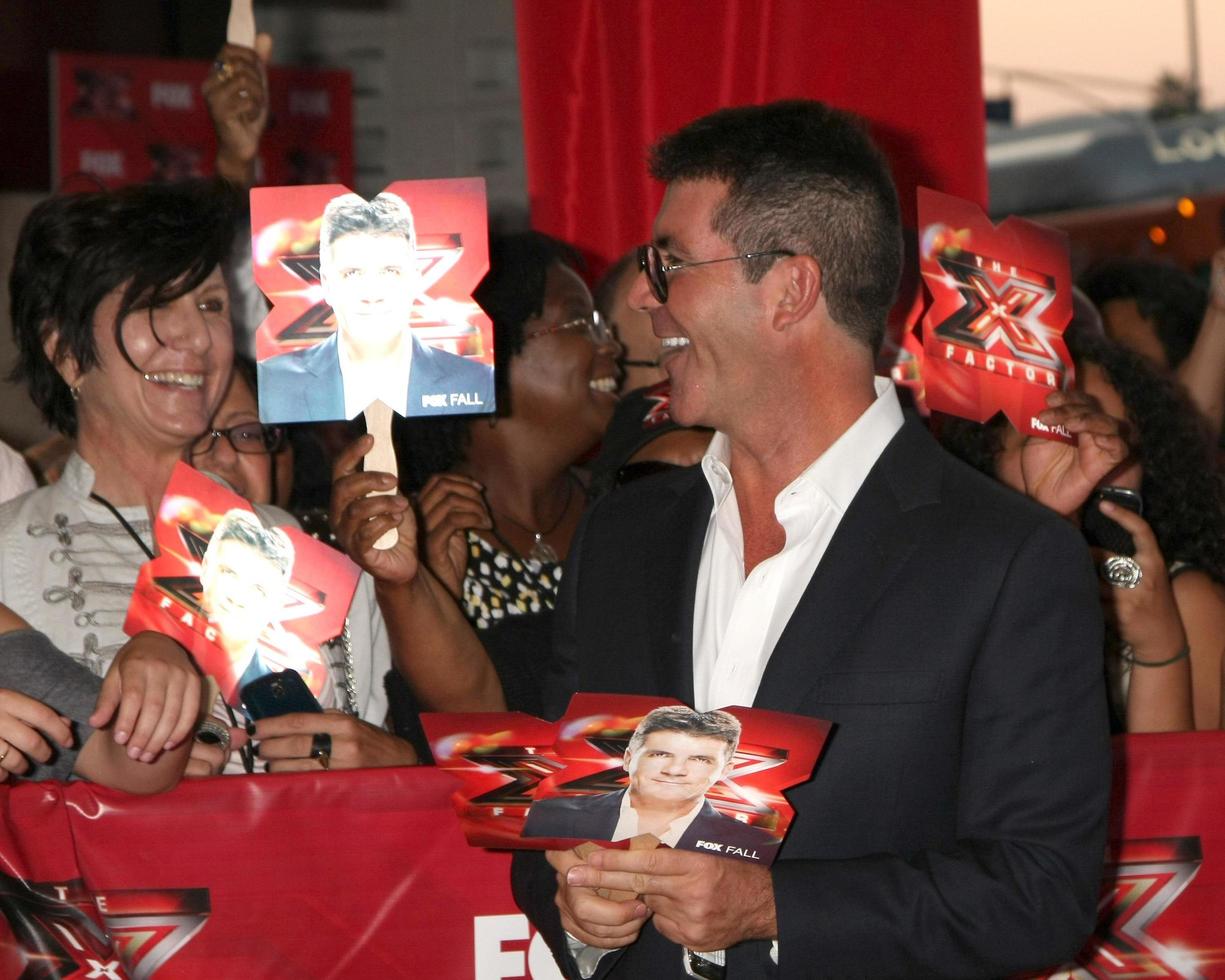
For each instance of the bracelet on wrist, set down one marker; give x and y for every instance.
(1128, 656)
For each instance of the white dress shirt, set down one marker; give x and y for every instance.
(738, 620)
(627, 822)
(384, 380)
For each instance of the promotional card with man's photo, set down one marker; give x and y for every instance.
(624, 769)
(372, 300)
(247, 600)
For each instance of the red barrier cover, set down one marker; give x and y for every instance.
(362, 874)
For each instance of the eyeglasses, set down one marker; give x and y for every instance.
(651, 261)
(594, 325)
(250, 437)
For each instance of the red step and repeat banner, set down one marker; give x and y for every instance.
(120, 120)
(367, 874)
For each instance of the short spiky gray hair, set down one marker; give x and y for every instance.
(244, 527)
(679, 718)
(352, 214)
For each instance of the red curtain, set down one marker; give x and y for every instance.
(603, 79)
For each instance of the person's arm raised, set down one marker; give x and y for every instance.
(433, 646)
(1203, 372)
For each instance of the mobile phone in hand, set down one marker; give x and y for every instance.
(276, 694)
(1102, 532)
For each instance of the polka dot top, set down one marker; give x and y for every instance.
(501, 584)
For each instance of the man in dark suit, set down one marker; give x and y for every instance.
(829, 559)
(368, 271)
(673, 758)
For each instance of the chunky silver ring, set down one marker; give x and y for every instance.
(321, 749)
(1122, 572)
(212, 732)
(222, 69)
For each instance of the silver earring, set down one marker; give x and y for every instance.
(75, 391)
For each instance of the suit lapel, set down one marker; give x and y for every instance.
(673, 617)
(423, 374)
(873, 541)
(326, 395)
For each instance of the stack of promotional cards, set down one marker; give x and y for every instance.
(624, 769)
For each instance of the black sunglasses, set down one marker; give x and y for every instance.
(651, 262)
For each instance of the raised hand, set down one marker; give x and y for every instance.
(1061, 475)
(236, 93)
(360, 516)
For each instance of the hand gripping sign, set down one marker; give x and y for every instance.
(625, 770)
(245, 599)
(372, 305)
(992, 338)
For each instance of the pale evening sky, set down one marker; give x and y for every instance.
(1131, 41)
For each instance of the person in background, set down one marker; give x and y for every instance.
(130, 730)
(121, 320)
(640, 350)
(1165, 604)
(236, 94)
(1164, 315)
(499, 497)
(254, 459)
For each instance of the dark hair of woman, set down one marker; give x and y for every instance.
(511, 293)
(1184, 497)
(157, 241)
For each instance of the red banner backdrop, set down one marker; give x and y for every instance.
(366, 873)
(602, 80)
(125, 119)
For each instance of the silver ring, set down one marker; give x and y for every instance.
(1122, 572)
(243, 93)
(7, 749)
(212, 732)
(223, 69)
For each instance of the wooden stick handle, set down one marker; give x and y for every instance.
(382, 458)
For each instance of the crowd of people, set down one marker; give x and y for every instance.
(694, 486)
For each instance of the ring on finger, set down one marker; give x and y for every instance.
(1122, 572)
(321, 749)
(212, 732)
(222, 69)
(7, 749)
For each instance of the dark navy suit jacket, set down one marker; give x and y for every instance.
(306, 385)
(956, 822)
(595, 817)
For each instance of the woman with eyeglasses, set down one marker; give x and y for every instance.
(122, 324)
(499, 497)
(253, 458)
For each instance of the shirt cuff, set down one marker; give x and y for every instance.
(586, 958)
